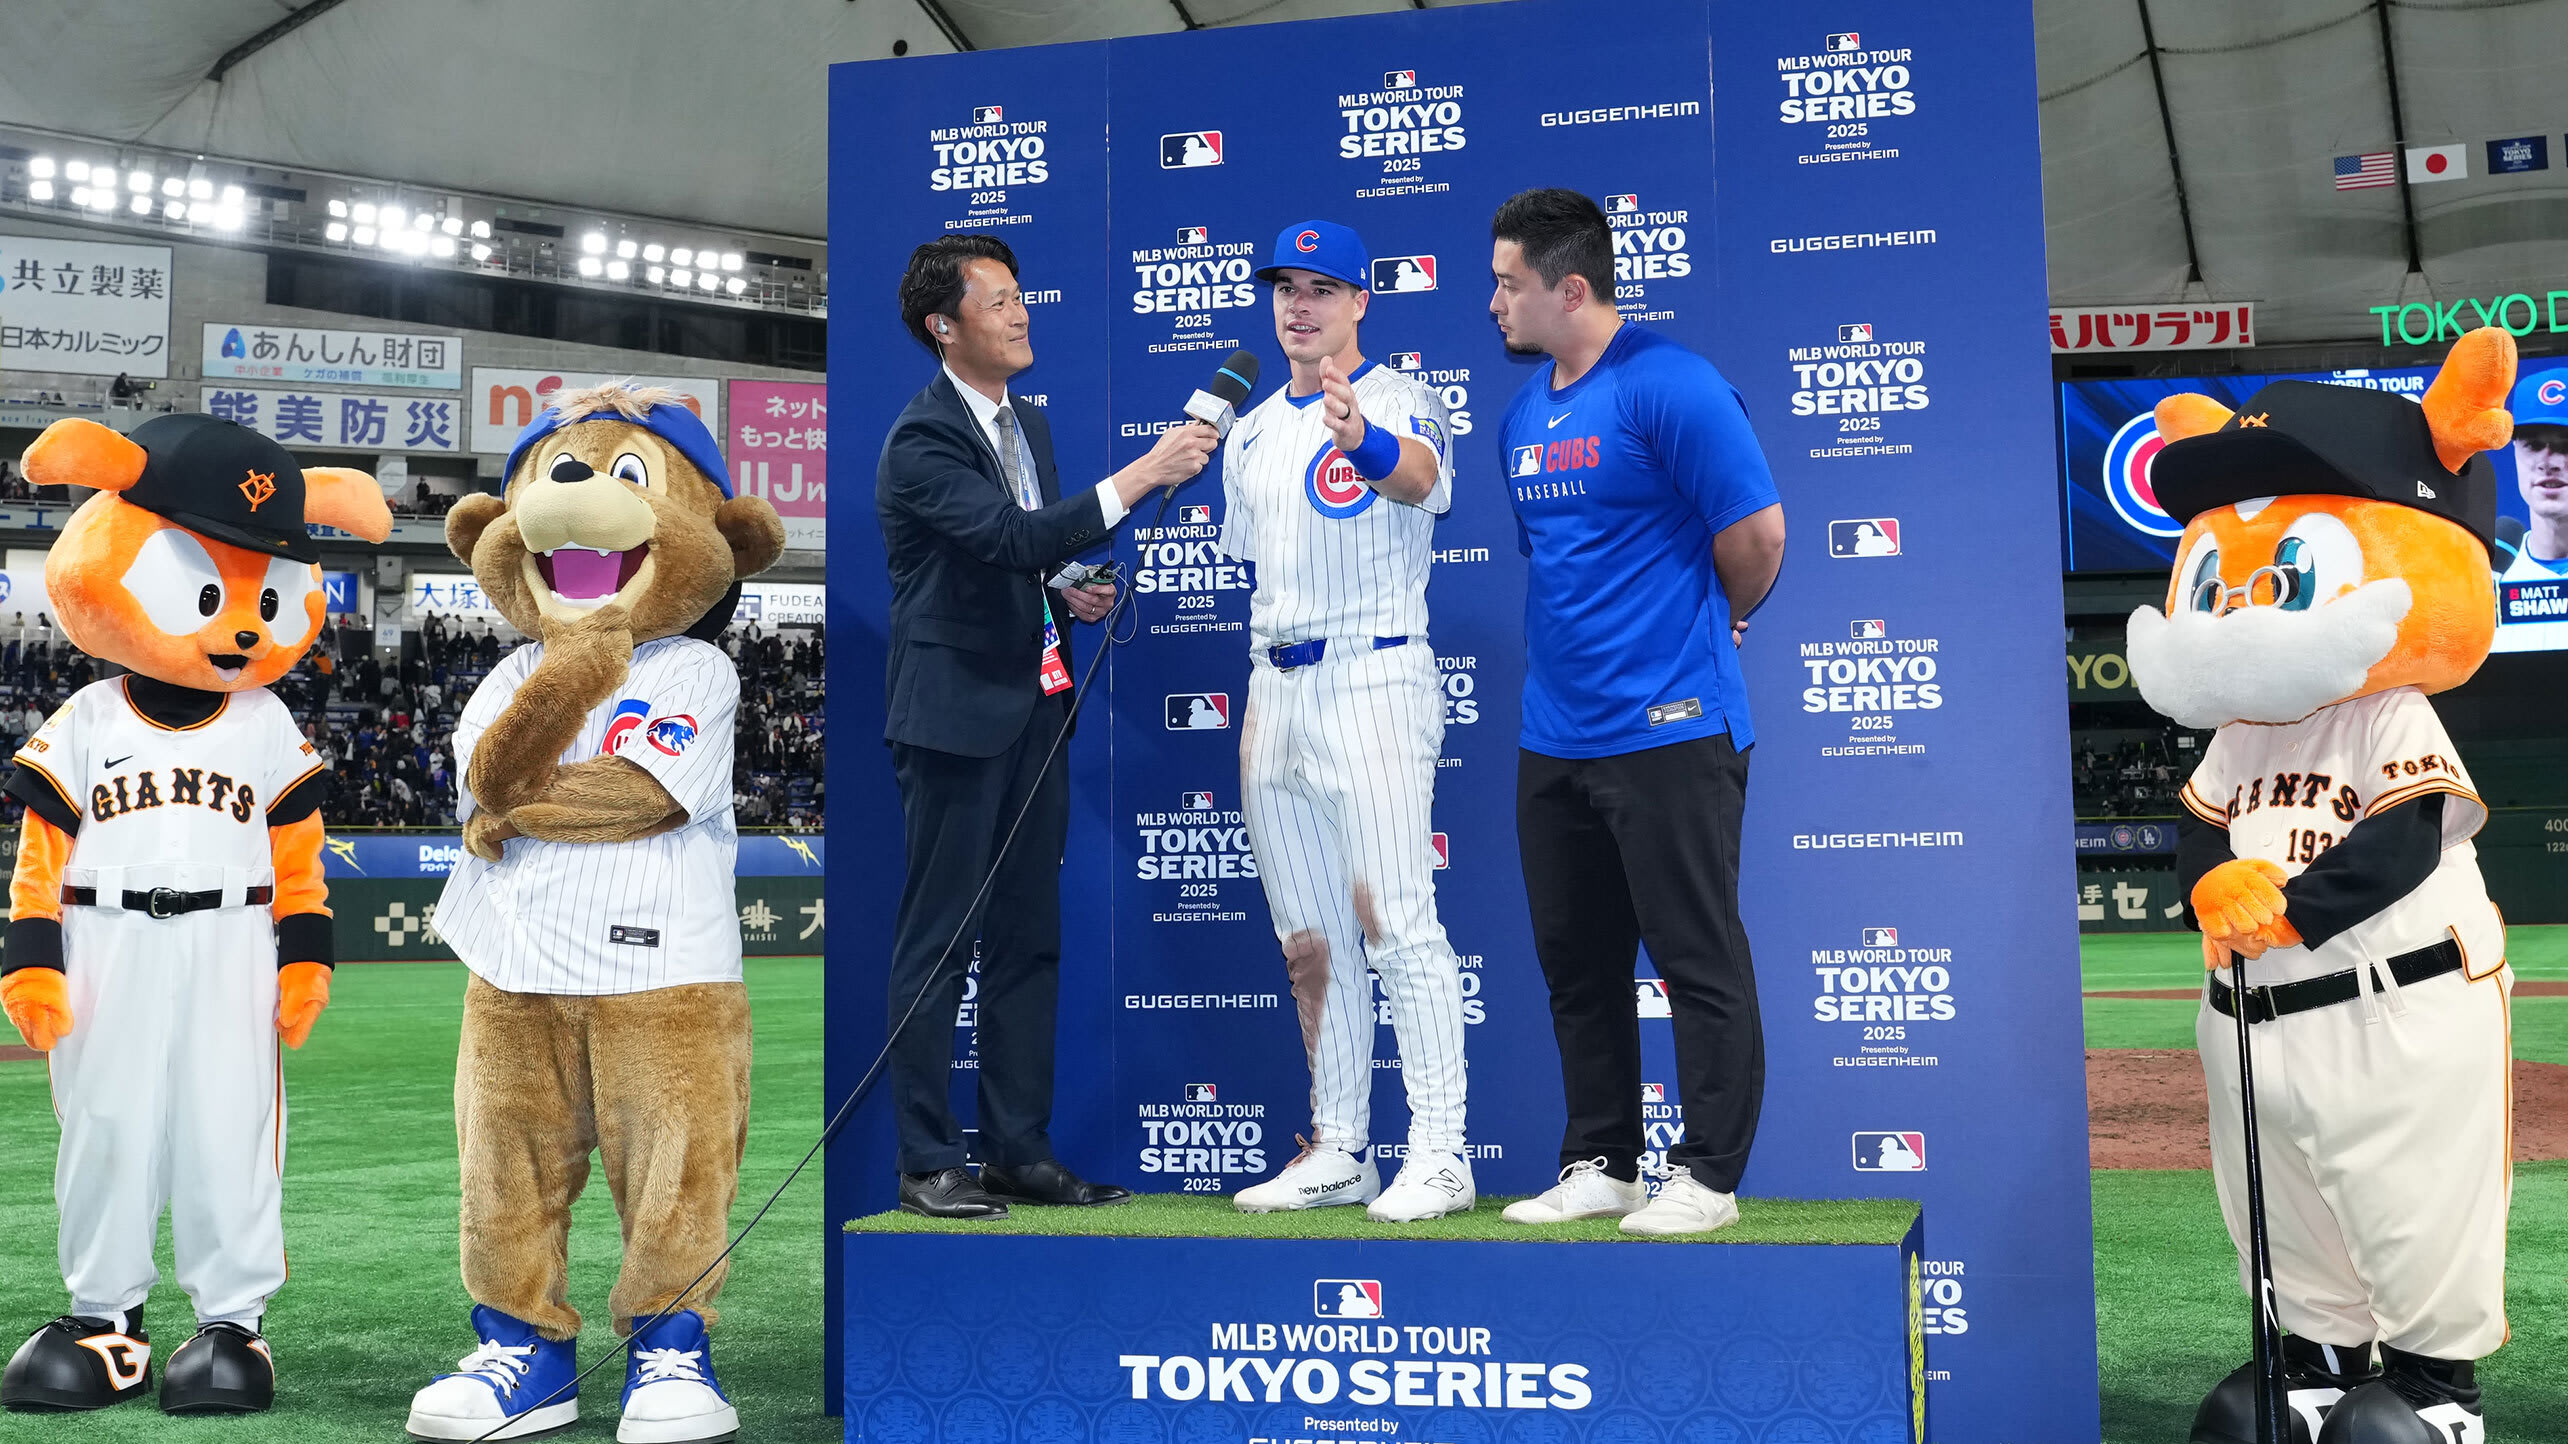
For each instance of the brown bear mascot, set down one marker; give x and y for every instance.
(168, 922)
(594, 908)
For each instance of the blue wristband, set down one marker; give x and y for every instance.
(1379, 456)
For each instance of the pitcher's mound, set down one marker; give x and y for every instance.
(2146, 1109)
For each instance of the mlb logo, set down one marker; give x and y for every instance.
(1198, 802)
(1890, 1152)
(1869, 629)
(1444, 850)
(1404, 273)
(1192, 235)
(1654, 1093)
(1881, 937)
(1843, 41)
(1346, 1298)
(1857, 331)
(1622, 205)
(1407, 361)
(1190, 148)
(1194, 515)
(1529, 462)
(1649, 998)
(1198, 711)
(985, 114)
(1864, 536)
(1201, 1092)
(1399, 79)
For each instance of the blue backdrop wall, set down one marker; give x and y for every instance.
(1860, 252)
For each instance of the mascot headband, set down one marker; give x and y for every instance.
(675, 425)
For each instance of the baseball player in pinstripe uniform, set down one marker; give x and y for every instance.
(1333, 486)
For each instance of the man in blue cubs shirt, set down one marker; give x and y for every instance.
(1654, 530)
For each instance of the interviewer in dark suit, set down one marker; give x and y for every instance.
(974, 522)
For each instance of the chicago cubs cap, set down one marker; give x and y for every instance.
(1323, 246)
(2541, 399)
(224, 480)
(2299, 438)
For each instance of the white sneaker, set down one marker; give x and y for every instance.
(1683, 1206)
(1584, 1191)
(1320, 1177)
(1431, 1184)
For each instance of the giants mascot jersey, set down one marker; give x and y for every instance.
(158, 805)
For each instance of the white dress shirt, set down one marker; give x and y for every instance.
(986, 412)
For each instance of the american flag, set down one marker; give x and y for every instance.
(2362, 172)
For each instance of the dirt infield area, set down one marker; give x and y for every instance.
(2146, 1108)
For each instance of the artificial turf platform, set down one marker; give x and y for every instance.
(1174, 1215)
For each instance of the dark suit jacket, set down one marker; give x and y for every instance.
(968, 565)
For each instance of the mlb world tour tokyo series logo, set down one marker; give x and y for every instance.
(1271, 1363)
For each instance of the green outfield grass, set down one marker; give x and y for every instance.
(374, 1307)
(1168, 1215)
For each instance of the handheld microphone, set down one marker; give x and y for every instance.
(1217, 405)
(2509, 541)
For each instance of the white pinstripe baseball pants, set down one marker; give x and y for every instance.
(1338, 775)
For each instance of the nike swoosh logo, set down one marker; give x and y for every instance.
(1555, 421)
(113, 761)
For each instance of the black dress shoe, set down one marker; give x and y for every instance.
(1048, 1182)
(948, 1193)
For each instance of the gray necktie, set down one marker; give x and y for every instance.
(1012, 468)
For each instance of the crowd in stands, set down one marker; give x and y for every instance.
(423, 502)
(2133, 777)
(14, 487)
(386, 729)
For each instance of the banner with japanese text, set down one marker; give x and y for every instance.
(779, 449)
(502, 400)
(333, 421)
(306, 355)
(88, 307)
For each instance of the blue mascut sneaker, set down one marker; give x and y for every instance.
(517, 1385)
(670, 1394)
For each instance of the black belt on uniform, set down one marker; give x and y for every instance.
(2281, 1000)
(168, 902)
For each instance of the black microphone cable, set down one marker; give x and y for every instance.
(935, 975)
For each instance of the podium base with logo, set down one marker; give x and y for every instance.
(1178, 1320)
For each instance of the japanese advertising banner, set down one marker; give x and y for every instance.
(334, 421)
(86, 307)
(502, 400)
(308, 355)
(779, 449)
(2078, 330)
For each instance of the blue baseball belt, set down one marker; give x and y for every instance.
(1303, 654)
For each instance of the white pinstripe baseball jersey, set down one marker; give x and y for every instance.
(1334, 557)
(624, 917)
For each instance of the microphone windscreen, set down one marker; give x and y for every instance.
(1236, 379)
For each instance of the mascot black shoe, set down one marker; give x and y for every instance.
(2315, 1377)
(77, 1363)
(2416, 1400)
(225, 1369)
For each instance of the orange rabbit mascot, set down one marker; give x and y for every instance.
(167, 920)
(2332, 574)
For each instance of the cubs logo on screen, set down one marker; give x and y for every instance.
(1335, 490)
(629, 716)
(2127, 459)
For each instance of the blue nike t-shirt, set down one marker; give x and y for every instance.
(1620, 482)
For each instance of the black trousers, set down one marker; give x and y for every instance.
(1619, 851)
(954, 812)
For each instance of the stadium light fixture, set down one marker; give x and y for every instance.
(140, 180)
(682, 277)
(142, 205)
(200, 189)
(338, 210)
(234, 197)
(625, 249)
(735, 285)
(655, 275)
(365, 213)
(480, 251)
(594, 243)
(173, 187)
(363, 235)
(335, 232)
(103, 198)
(591, 267)
(442, 247)
(655, 253)
(42, 167)
(174, 210)
(731, 260)
(40, 190)
(707, 280)
(75, 170)
(682, 257)
(228, 218)
(619, 271)
(481, 230)
(453, 226)
(393, 218)
(423, 222)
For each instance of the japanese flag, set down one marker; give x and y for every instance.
(2437, 163)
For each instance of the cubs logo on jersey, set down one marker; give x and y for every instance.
(629, 715)
(1333, 487)
(672, 733)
